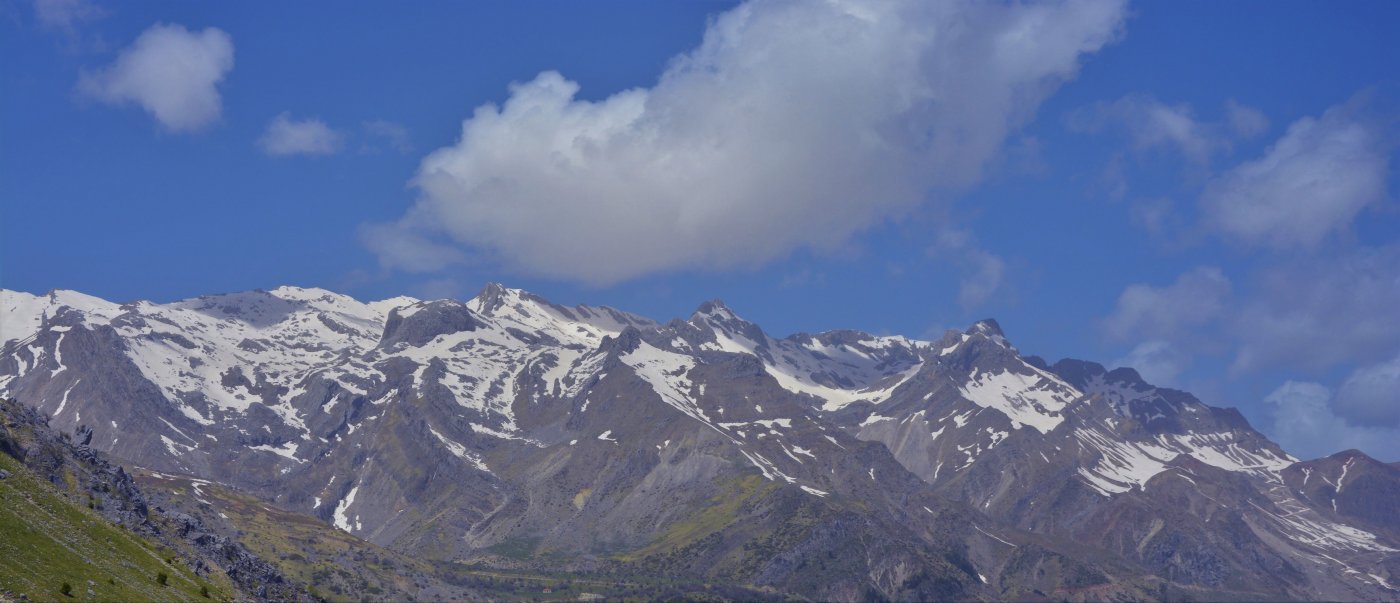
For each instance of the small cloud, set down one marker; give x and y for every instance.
(982, 271)
(1244, 121)
(1156, 215)
(1150, 123)
(1196, 298)
(982, 279)
(388, 133)
(285, 136)
(802, 278)
(1306, 425)
(1159, 362)
(400, 246)
(1371, 395)
(1113, 180)
(66, 15)
(1309, 185)
(1026, 155)
(170, 72)
(440, 288)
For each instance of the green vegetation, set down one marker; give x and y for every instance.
(721, 513)
(49, 542)
(515, 548)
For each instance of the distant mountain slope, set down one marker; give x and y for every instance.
(511, 431)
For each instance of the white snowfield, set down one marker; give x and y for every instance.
(1034, 398)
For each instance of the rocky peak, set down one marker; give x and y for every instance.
(491, 296)
(628, 340)
(495, 297)
(419, 323)
(986, 326)
(714, 309)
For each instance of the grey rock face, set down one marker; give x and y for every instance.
(419, 323)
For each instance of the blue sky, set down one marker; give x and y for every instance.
(1200, 190)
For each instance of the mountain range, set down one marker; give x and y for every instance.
(510, 433)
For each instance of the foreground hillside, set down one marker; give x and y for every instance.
(507, 435)
(57, 543)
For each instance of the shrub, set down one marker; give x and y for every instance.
(66, 589)
(162, 578)
(204, 591)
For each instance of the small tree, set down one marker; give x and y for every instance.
(162, 578)
(204, 591)
(66, 589)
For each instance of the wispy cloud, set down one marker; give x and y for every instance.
(983, 272)
(1150, 123)
(791, 125)
(1320, 312)
(66, 15)
(1310, 184)
(169, 71)
(387, 133)
(1304, 424)
(1159, 362)
(1370, 395)
(1197, 298)
(311, 136)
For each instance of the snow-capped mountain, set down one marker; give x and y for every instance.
(953, 468)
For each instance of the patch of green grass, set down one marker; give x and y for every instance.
(47, 541)
(722, 511)
(515, 548)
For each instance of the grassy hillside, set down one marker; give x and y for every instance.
(47, 540)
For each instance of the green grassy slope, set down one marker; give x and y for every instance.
(47, 540)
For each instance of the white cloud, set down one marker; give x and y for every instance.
(1151, 123)
(982, 271)
(983, 278)
(1159, 362)
(1306, 426)
(1156, 215)
(389, 133)
(65, 15)
(409, 251)
(441, 288)
(1322, 311)
(1371, 394)
(792, 125)
(170, 72)
(285, 136)
(1195, 299)
(1309, 184)
(1311, 313)
(1244, 121)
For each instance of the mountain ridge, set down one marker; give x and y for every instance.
(450, 429)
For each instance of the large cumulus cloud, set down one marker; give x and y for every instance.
(793, 124)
